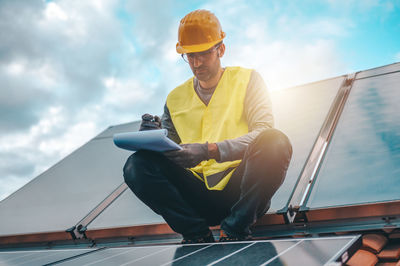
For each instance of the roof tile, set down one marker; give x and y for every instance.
(390, 252)
(363, 258)
(374, 242)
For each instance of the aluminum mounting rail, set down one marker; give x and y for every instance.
(78, 231)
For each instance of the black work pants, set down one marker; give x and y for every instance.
(190, 208)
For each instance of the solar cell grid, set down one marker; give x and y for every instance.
(258, 254)
(114, 256)
(312, 251)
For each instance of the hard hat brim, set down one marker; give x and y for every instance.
(185, 49)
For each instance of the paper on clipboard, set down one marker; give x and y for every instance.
(155, 140)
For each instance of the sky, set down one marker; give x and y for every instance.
(71, 68)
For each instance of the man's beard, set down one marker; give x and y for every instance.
(204, 73)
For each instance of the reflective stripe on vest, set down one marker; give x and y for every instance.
(222, 119)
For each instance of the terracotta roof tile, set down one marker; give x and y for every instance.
(390, 252)
(374, 242)
(388, 230)
(363, 258)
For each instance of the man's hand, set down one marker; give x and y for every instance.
(190, 156)
(150, 122)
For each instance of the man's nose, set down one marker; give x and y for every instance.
(197, 61)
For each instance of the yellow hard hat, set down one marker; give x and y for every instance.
(198, 31)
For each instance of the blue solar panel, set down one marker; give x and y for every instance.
(362, 164)
(309, 251)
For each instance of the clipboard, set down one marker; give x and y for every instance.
(154, 140)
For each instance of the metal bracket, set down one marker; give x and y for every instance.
(79, 230)
(71, 231)
(389, 219)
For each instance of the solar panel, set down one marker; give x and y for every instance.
(362, 161)
(127, 210)
(65, 193)
(308, 251)
(300, 112)
(38, 257)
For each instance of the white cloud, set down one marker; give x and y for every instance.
(52, 119)
(44, 73)
(10, 184)
(75, 136)
(286, 64)
(125, 92)
(15, 68)
(54, 12)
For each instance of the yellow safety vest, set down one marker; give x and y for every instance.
(221, 119)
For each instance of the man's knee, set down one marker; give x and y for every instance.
(137, 166)
(274, 142)
(273, 154)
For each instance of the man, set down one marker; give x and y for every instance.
(232, 161)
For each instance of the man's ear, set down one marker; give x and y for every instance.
(221, 50)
